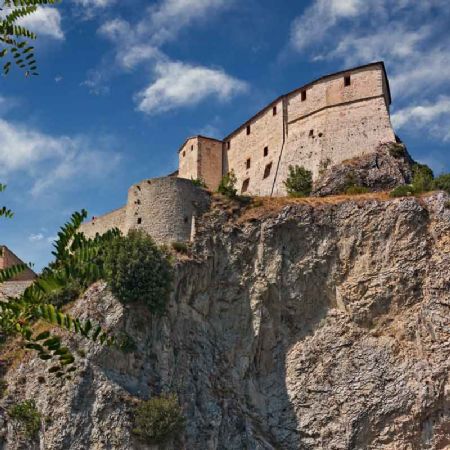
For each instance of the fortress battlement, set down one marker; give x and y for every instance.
(334, 118)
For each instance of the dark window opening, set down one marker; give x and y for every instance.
(248, 129)
(267, 170)
(266, 151)
(192, 148)
(303, 96)
(184, 154)
(228, 145)
(139, 221)
(247, 163)
(186, 219)
(320, 134)
(311, 133)
(245, 185)
(347, 80)
(274, 110)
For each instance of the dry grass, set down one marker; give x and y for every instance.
(271, 206)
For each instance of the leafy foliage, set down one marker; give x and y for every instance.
(180, 247)
(442, 182)
(76, 258)
(27, 416)
(403, 190)
(15, 39)
(137, 270)
(356, 190)
(422, 178)
(159, 419)
(199, 182)
(227, 185)
(298, 182)
(397, 151)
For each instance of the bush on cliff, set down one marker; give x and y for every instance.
(404, 190)
(422, 178)
(136, 269)
(442, 182)
(227, 185)
(159, 419)
(298, 182)
(28, 418)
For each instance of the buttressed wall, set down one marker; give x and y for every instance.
(334, 118)
(164, 207)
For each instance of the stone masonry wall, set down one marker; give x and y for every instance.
(210, 161)
(266, 132)
(165, 207)
(114, 219)
(188, 164)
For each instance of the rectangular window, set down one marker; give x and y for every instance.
(311, 133)
(247, 164)
(267, 170)
(303, 96)
(228, 145)
(245, 185)
(266, 151)
(184, 154)
(347, 80)
(192, 148)
(274, 110)
(248, 129)
(139, 221)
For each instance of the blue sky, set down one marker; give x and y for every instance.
(123, 83)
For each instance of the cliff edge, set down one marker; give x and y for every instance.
(294, 324)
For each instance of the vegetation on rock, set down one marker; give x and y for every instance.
(199, 182)
(136, 269)
(442, 182)
(298, 182)
(159, 419)
(227, 185)
(27, 417)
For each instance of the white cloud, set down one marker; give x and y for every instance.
(178, 84)
(433, 117)
(50, 161)
(46, 21)
(36, 237)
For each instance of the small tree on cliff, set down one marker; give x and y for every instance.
(227, 185)
(298, 182)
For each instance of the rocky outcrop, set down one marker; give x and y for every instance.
(304, 327)
(389, 166)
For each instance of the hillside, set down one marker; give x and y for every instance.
(319, 323)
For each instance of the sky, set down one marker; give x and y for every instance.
(122, 83)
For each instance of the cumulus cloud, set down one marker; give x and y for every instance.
(178, 84)
(432, 116)
(174, 84)
(46, 21)
(36, 237)
(49, 160)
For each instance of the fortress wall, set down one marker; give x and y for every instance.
(165, 207)
(188, 160)
(365, 82)
(339, 133)
(9, 259)
(210, 161)
(101, 224)
(266, 130)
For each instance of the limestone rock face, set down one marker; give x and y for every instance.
(310, 327)
(389, 166)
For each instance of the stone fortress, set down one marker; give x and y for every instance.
(334, 118)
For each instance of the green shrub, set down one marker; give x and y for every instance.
(355, 190)
(422, 178)
(158, 419)
(126, 343)
(447, 204)
(397, 151)
(27, 416)
(137, 270)
(199, 182)
(180, 247)
(402, 191)
(227, 185)
(298, 182)
(442, 182)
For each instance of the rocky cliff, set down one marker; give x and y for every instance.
(309, 324)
